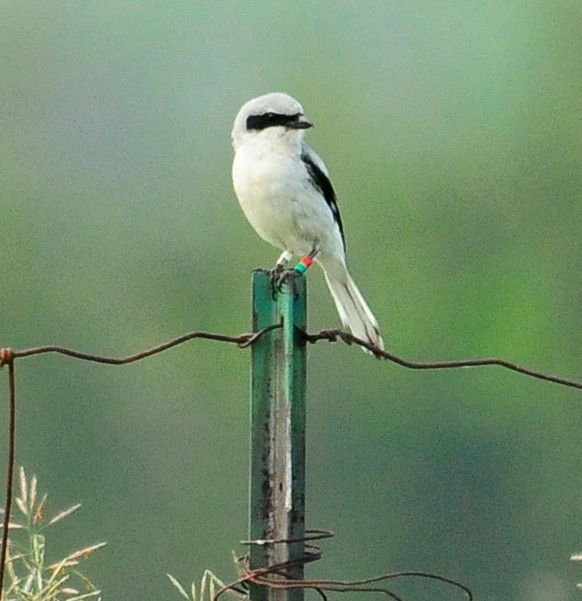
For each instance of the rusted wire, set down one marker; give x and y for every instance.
(247, 340)
(8, 357)
(242, 341)
(334, 335)
(275, 576)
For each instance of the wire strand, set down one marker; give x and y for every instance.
(8, 357)
(11, 463)
(334, 335)
(275, 576)
(248, 339)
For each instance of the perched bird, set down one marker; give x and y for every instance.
(285, 193)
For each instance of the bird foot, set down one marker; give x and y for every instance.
(278, 275)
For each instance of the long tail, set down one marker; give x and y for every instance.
(351, 306)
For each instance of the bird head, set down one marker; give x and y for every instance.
(274, 115)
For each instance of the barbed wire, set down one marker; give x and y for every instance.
(8, 356)
(248, 339)
(11, 464)
(334, 335)
(242, 341)
(276, 576)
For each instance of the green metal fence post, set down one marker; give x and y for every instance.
(277, 484)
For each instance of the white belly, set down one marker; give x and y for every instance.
(282, 205)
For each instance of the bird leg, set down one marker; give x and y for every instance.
(283, 260)
(278, 274)
(306, 262)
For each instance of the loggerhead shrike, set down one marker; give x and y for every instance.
(284, 190)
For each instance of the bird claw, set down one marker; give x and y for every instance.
(278, 275)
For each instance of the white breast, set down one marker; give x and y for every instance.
(279, 200)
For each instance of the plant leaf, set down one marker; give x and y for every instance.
(63, 514)
(178, 586)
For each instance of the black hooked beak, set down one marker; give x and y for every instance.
(300, 123)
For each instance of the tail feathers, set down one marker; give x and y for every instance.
(353, 309)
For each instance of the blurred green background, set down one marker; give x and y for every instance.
(453, 134)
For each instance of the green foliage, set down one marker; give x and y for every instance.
(32, 577)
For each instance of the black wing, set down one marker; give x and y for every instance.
(321, 182)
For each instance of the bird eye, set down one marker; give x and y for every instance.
(270, 115)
